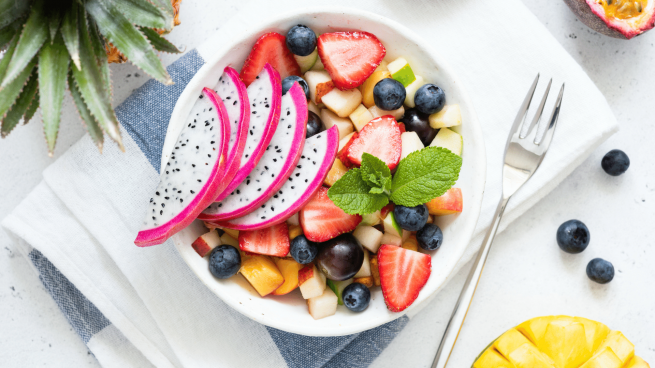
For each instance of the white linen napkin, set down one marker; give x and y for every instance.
(147, 308)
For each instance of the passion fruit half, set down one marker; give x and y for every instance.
(623, 19)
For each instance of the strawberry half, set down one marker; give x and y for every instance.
(272, 241)
(322, 220)
(270, 48)
(350, 57)
(403, 273)
(381, 138)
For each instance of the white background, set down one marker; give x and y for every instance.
(526, 275)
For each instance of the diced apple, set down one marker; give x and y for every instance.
(204, 244)
(318, 65)
(367, 86)
(261, 273)
(391, 226)
(306, 62)
(410, 143)
(401, 71)
(360, 117)
(449, 203)
(311, 281)
(371, 219)
(311, 106)
(391, 239)
(336, 172)
(369, 237)
(377, 112)
(323, 305)
(410, 91)
(330, 119)
(365, 271)
(233, 233)
(294, 231)
(384, 65)
(289, 269)
(449, 139)
(411, 244)
(294, 219)
(337, 287)
(406, 234)
(449, 116)
(342, 103)
(229, 240)
(343, 141)
(319, 84)
(375, 270)
(367, 280)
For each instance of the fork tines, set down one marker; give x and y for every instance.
(544, 131)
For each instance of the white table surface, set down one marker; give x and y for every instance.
(526, 275)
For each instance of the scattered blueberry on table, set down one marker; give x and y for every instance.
(356, 297)
(573, 236)
(615, 162)
(600, 271)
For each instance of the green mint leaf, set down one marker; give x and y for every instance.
(376, 190)
(386, 184)
(374, 170)
(424, 175)
(351, 194)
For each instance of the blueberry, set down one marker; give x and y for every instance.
(301, 40)
(302, 250)
(314, 125)
(224, 261)
(615, 162)
(429, 99)
(389, 94)
(600, 270)
(411, 218)
(356, 297)
(416, 121)
(573, 236)
(288, 82)
(430, 237)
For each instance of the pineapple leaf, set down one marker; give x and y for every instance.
(142, 13)
(100, 53)
(33, 36)
(122, 34)
(159, 42)
(10, 10)
(8, 32)
(22, 103)
(34, 105)
(69, 33)
(89, 121)
(54, 23)
(165, 6)
(91, 84)
(53, 68)
(9, 93)
(4, 61)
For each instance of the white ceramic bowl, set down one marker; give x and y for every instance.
(289, 312)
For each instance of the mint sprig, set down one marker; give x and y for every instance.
(420, 177)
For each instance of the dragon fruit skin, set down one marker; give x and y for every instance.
(326, 144)
(201, 182)
(233, 92)
(276, 165)
(256, 144)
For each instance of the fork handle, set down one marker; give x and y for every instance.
(468, 291)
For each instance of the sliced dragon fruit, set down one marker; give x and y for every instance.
(193, 175)
(233, 92)
(315, 162)
(264, 95)
(275, 166)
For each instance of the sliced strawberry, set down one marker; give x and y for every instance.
(342, 155)
(401, 126)
(270, 48)
(403, 273)
(381, 138)
(272, 241)
(385, 210)
(350, 57)
(322, 220)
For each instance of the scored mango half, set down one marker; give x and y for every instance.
(560, 342)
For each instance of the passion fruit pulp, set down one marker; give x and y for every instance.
(623, 19)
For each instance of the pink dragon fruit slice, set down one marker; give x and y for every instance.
(264, 95)
(315, 162)
(193, 175)
(233, 92)
(275, 166)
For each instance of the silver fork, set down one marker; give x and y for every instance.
(524, 152)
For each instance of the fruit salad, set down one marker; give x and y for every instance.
(323, 166)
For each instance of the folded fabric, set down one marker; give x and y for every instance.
(140, 307)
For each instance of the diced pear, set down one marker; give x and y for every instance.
(311, 106)
(323, 305)
(365, 270)
(369, 84)
(527, 356)
(621, 346)
(360, 117)
(369, 237)
(492, 359)
(384, 65)
(336, 172)
(604, 359)
(311, 281)
(371, 219)
(510, 341)
(314, 79)
(377, 112)
(410, 143)
(318, 65)
(343, 141)
(391, 239)
(401, 71)
(261, 273)
(206, 242)
(294, 219)
(449, 139)
(391, 226)
(289, 269)
(337, 287)
(229, 240)
(330, 119)
(306, 62)
(410, 91)
(342, 103)
(565, 343)
(449, 116)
